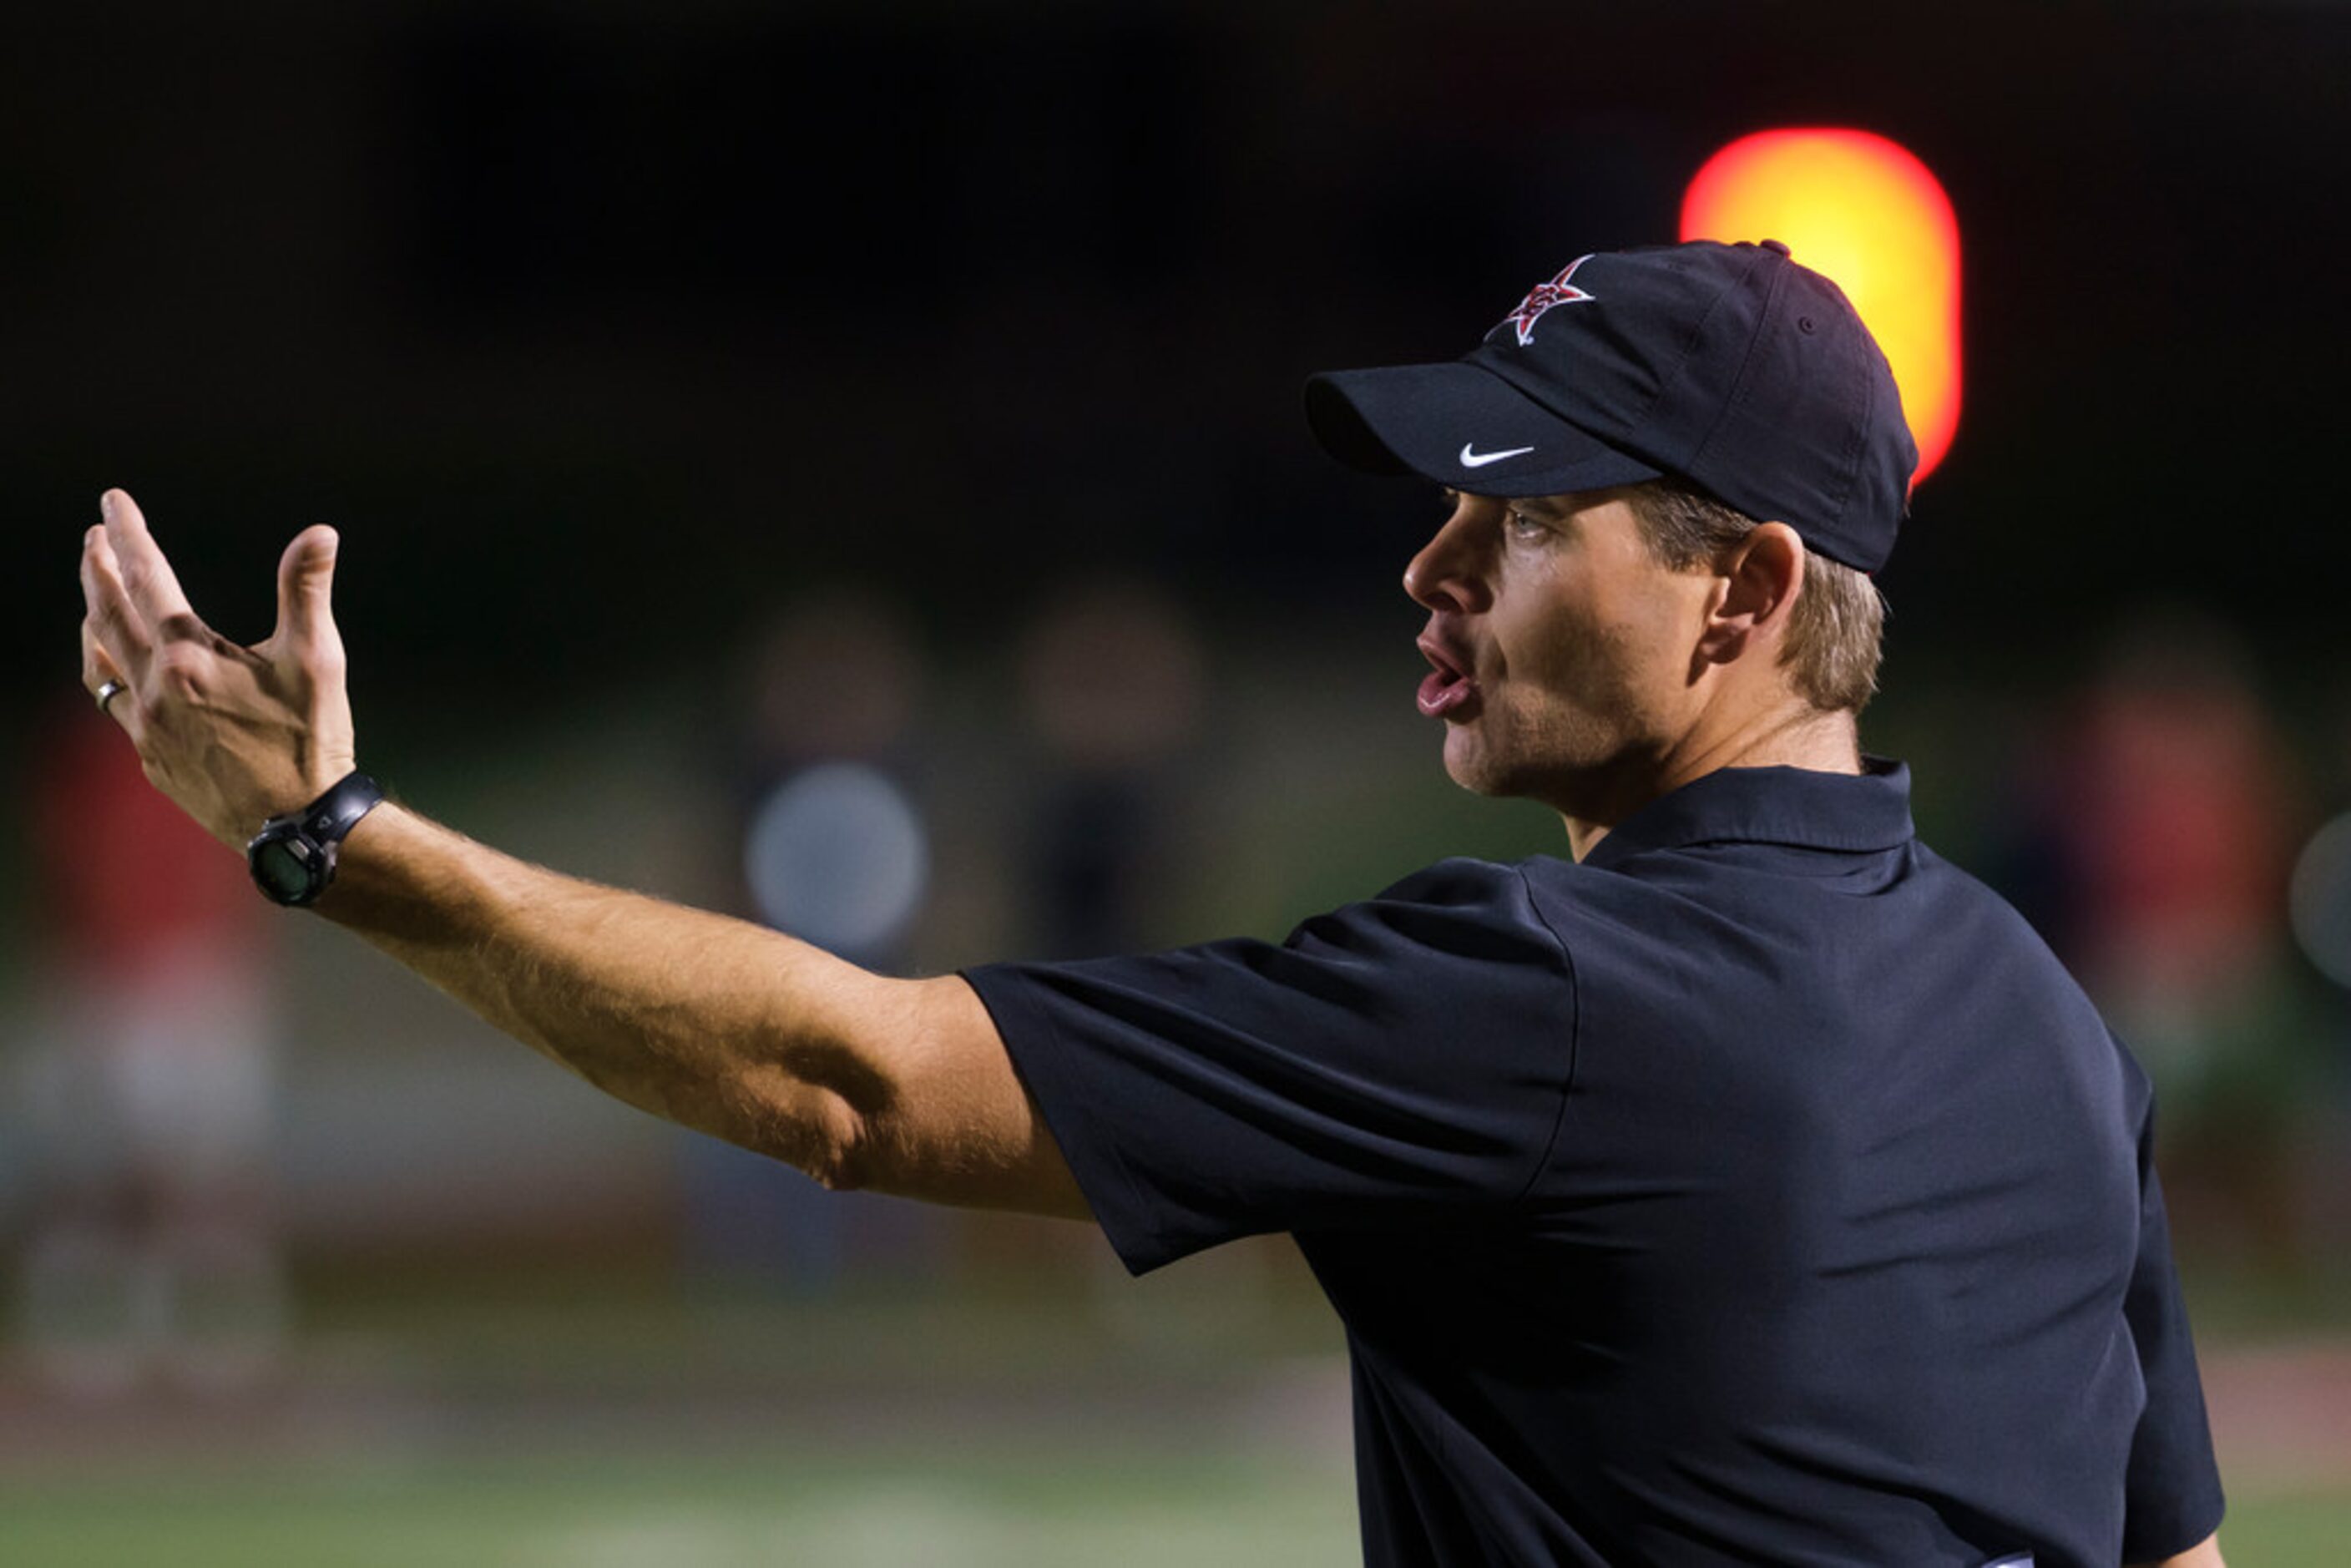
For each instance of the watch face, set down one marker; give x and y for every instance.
(282, 867)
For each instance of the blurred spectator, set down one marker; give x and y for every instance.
(2169, 813)
(1112, 687)
(836, 851)
(151, 1248)
(1111, 681)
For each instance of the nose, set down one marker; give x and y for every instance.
(1447, 574)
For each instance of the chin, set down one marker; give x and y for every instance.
(1480, 768)
(1569, 775)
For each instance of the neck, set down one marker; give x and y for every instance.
(1796, 735)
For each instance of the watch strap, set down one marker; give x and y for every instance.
(306, 842)
(326, 819)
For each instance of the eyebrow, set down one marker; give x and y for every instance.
(1546, 506)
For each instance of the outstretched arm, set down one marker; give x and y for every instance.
(900, 1085)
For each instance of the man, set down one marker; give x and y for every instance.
(1752, 1187)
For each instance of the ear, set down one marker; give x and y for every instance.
(1758, 582)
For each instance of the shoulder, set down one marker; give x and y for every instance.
(1461, 882)
(1457, 881)
(1461, 938)
(1455, 908)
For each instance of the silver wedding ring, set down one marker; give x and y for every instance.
(110, 690)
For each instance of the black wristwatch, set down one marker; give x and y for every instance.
(293, 856)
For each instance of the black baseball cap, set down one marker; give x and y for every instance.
(1729, 365)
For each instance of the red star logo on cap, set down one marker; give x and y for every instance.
(1542, 296)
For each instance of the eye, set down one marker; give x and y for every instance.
(1524, 524)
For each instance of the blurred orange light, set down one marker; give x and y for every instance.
(1867, 213)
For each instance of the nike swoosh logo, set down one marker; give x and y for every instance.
(1479, 459)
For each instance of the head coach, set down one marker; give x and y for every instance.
(1750, 1187)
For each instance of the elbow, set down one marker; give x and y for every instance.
(839, 1148)
(816, 1130)
(832, 1104)
(842, 1159)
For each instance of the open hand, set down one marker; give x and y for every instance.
(234, 735)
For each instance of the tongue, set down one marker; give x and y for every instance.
(1442, 692)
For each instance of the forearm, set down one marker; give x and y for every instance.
(716, 1023)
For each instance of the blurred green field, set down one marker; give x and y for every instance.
(2290, 1531)
(848, 1505)
(607, 1419)
(838, 1505)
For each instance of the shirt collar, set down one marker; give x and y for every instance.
(1797, 806)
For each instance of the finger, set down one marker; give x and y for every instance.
(305, 589)
(147, 578)
(113, 620)
(96, 667)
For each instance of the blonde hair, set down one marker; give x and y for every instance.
(1837, 626)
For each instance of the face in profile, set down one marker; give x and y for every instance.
(1562, 649)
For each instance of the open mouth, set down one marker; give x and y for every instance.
(1447, 686)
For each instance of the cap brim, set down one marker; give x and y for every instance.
(1461, 426)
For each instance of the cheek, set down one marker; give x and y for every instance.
(1625, 670)
(1661, 645)
(1572, 648)
(1655, 626)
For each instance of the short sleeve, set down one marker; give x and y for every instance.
(1397, 1062)
(2172, 1490)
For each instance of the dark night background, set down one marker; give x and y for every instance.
(595, 327)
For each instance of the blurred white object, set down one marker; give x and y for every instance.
(2320, 900)
(838, 855)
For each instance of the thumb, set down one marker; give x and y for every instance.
(306, 585)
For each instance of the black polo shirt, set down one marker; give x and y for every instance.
(1759, 1190)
